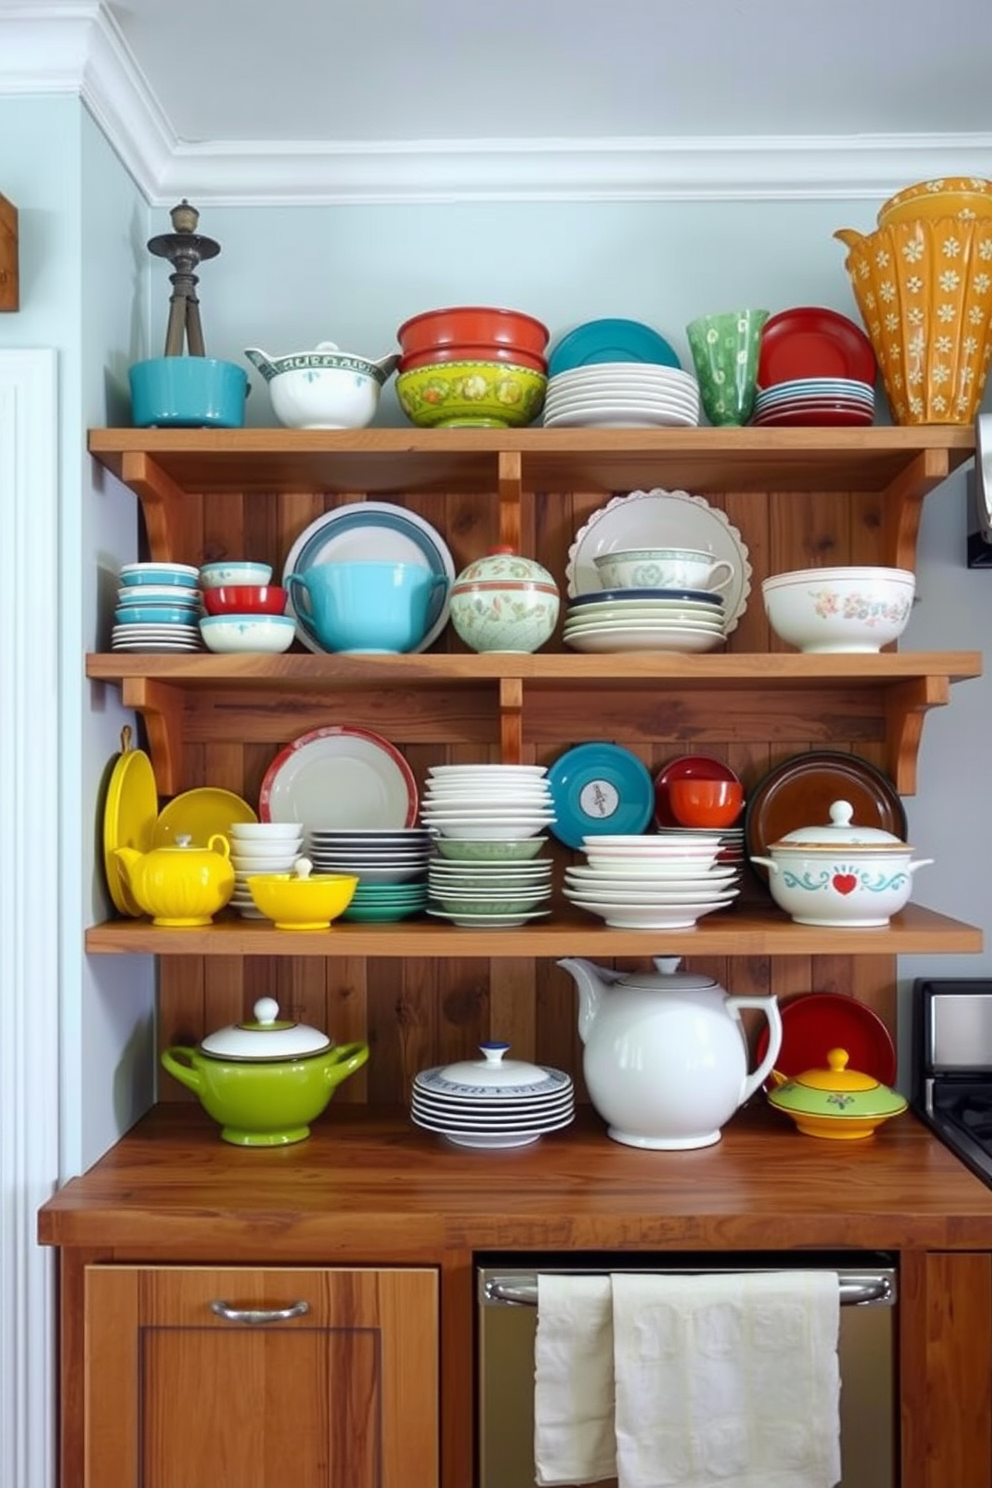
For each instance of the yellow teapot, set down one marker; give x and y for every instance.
(182, 885)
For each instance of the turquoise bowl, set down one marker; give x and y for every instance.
(188, 392)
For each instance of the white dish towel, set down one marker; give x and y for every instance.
(573, 1380)
(727, 1380)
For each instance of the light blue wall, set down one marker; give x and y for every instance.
(77, 216)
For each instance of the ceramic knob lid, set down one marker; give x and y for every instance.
(840, 830)
(265, 1037)
(506, 565)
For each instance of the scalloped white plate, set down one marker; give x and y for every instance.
(647, 519)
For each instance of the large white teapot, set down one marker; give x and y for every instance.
(665, 1057)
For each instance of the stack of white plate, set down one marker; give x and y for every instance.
(652, 882)
(158, 608)
(480, 895)
(391, 867)
(684, 620)
(260, 847)
(624, 395)
(487, 802)
(832, 401)
(492, 1101)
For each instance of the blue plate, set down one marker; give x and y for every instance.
(598, 789)
(610, 341)
(610, 596)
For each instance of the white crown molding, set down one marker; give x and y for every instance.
(78, 48)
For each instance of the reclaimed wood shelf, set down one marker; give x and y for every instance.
(731, 932)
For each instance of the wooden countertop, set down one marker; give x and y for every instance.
(369, 1186)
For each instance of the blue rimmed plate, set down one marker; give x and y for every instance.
(632, 596)
(599, 788)
(373, 530)
(611, 340)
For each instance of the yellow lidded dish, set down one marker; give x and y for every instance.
(836, 1101)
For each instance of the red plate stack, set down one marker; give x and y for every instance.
(815, 367)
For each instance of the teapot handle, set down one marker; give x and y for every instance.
(769, 1006)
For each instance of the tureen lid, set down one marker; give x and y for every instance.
(267, 1036)
(492, 1077)
(836, 1091)
(840, 829)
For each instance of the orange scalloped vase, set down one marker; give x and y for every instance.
(924, 290)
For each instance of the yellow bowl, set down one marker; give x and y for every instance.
(486, 395)
(294, 903)
(952, 196)
(924, 289)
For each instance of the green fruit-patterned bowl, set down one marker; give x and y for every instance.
(487, 395)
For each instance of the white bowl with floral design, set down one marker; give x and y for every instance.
(854, 609)
(504, 602)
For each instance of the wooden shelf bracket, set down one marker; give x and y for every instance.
(906, 706)
(161, 706)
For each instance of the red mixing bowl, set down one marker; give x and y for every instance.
(473, 325)
(245, 599)
(473, 352)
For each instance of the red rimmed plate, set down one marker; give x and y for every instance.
(813, 1023)
(810, 341)
(800, 791)
(685, 767)
(340, 778)
(815, 418)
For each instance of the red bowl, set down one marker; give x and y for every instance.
(245, 599)
(473, 352)
(473, 325)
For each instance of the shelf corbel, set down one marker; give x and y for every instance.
(906, 706)
(162, 503)
(161, 706)
(903, 504)
(511, 720)
(510, 482)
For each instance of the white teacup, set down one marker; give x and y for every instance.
(663, 568)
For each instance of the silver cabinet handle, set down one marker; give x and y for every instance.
(254, 1315)
(856, 1290)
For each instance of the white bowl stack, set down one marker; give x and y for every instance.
(492, 1101)
(488, 804)
(260, 847)
(656, 882)
(629, 395)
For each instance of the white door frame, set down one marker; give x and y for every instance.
(29, 907)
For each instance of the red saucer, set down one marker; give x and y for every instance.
(686, 767)
(813, 342)
(813, 1023)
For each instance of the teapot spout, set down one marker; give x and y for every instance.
(387, 364)
(849, 237)
(264, 363)
(127, 857)
(591, 981)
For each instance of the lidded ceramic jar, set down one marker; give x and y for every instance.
(839, 873)
(265, 1079)
(836, 1101)
(504, 602)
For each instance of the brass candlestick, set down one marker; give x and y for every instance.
(185, 249)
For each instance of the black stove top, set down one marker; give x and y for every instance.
(952, 1065)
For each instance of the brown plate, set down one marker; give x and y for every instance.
(800, 791)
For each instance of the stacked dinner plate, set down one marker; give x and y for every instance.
(492, 1101)
(836, 402)
(652, 882)
(487, 802)
(626, 395)
(480, 895)
(686, 620)
(158, 608)
(391, 867)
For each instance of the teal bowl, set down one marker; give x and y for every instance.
(188, 392)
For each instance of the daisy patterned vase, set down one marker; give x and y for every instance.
(504, 602)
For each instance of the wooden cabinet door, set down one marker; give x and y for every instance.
(343, 1394)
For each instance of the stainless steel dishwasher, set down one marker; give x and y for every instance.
(507, 1319)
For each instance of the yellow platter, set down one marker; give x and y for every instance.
(200, 814)
(129, 817)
